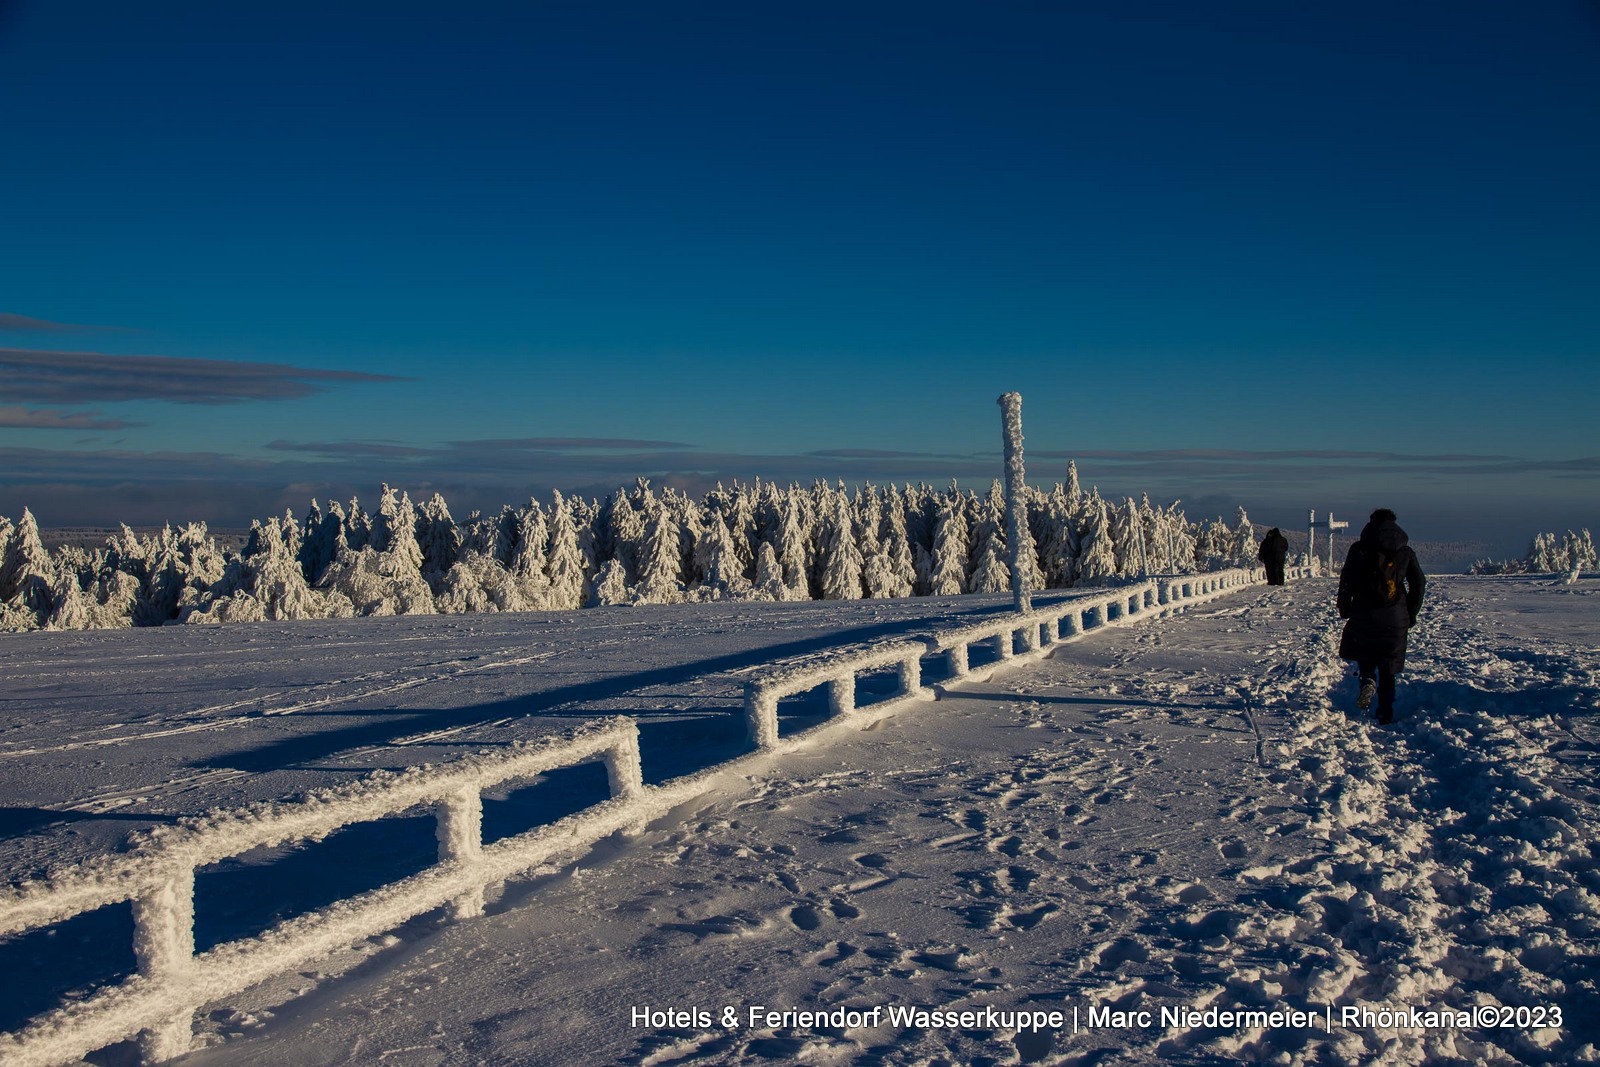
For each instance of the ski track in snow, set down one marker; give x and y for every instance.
(1174, 813)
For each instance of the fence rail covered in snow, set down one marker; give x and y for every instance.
(158, 877)
(159, 1001)
(1032, 632)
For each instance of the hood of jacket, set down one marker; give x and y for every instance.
(1385, 535)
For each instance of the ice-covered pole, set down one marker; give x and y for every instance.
(1016, 504)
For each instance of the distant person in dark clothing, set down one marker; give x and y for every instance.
(1273, 552)
(1380, 593)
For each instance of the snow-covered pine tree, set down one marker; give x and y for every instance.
(625, 533)
(877, 578)
(991, 574)
(687, 515)
(529, 557)
(791, 546)
(503, 536)
(358, 526)
(27, 576)
(1212, 544)
(1541, 553)
(1573, 552)
(1073, 491)
(1178, 537)
(585, 517)
(660, 563)
(841, 559)
(897, 547)
(73, 607)
(986, 519)
(385, 576)
(741, 522)
(717, 562)
(439, 541)
(1242, 545)
(1028, 557)
(1097, 559)
(323, 539)
(1061, 546)
(566, 565)
(769, 583)
(949, 575)
(274, 578)
(611, 585)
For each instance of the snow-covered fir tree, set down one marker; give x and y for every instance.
(27, 576)
(1097, 559)
(566, 567)
(791, 548)
(1242, 547)
(611, 586)
(841, 559)
(717, 562)
(624, 534)
(949, 574)
(660, 562)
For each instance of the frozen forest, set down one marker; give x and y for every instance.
(640, 546)
(1547, 554)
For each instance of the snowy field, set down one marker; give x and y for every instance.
(1177, 814)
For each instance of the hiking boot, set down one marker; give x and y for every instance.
(1369, 689)
(1385, 717)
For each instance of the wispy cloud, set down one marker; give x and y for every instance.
(380, 449)
(46, 377)
(564, 444)
(27, 324)
(870, 453)
(47, 419)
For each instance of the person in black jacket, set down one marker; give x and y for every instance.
(1380, 593)
(1273, 552)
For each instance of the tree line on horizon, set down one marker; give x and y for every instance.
(1547, 554)
(640, 546)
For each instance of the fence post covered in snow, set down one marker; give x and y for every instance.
(460, 833)
(842, 693)
(624, 770)
(910, 675)
(163, 946)
(1016, 502)
(761, 714)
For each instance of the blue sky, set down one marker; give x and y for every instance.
(1248, 253)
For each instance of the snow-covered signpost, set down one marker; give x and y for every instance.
(1312, 526)
(1016, 504)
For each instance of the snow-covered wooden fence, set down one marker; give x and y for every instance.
(1013, 635)
(837, 669)
(157, 877)
(158, 1002)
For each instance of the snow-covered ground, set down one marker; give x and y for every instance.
(1178, 813)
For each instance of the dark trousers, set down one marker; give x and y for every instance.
(1274, 573)
(1380, 672)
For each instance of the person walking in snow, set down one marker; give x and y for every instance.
(1274, 551)
(1380, 593)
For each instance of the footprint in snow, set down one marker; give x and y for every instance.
(835, 953)
(1113, 954)
(1233, 849)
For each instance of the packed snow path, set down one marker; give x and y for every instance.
(1178, 814)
